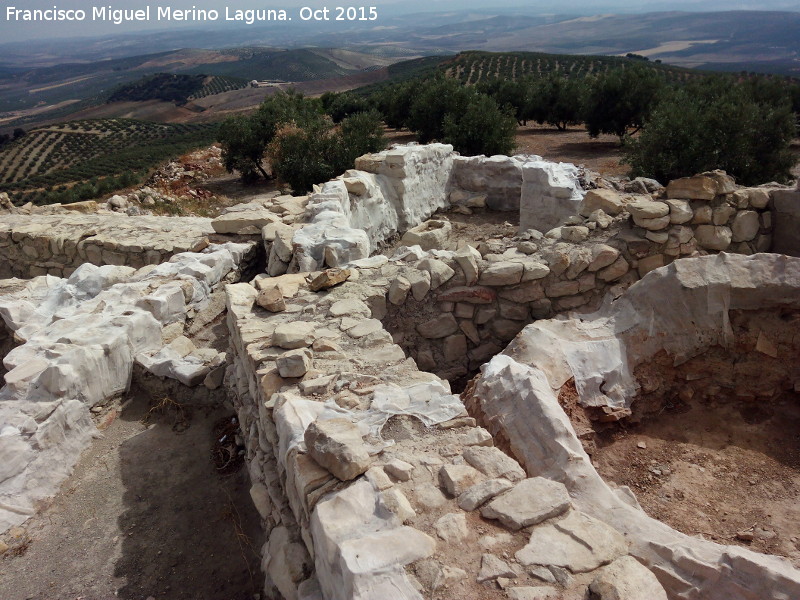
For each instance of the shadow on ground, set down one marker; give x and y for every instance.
(187, 531)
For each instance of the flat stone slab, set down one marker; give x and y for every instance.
(529, 502)
(577, 542)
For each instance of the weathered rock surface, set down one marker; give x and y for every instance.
(577, 542)
(336, 444)
(529, 502)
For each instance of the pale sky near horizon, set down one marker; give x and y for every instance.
(11, 31)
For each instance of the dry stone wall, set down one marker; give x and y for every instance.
(34, 245)
(77, 341)
(466, 305)
(369, 475)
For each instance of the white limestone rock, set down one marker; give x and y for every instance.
(626, 579)
(577, 542)
(550, 193)
(296, 334)
(529, 502)
(480, 493)
(494, 463)
(336, 444)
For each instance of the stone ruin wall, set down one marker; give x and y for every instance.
(467, 304)
(607, 355)
(340, 356)
(34, 245)
(406, 529)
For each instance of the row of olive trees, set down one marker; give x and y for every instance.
(292, 136)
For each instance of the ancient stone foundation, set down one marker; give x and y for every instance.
(372, 479)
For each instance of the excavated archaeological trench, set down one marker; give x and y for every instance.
(667, 405)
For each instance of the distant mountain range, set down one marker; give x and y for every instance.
(50, 80)
(751, 40)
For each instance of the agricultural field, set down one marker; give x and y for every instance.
(477, 67)
(58, 157)
(176, 88)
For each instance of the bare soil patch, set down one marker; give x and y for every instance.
(574, 145)
(724, 470)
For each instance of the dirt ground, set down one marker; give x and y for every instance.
(573, 145)
(144, 516)
(727, 472)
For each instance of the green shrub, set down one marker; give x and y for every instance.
(715, 125)
(620, 100)
(482, 128)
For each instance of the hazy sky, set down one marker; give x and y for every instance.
(387, 9)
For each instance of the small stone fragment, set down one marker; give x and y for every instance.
(271, 299)
(396, 501)
(329, 278)
(492, 567)
(457, 478)
(480, 493)
(452, 528)
(399, 469)
(294, 363)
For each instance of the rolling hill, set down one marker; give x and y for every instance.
(77, 151)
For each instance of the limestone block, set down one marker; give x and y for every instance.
(398, 290)
(250, 221)
(492, 568)
(455, 348)
(432, 234)
(294, 363)
(271, 299)
(480, 493)
(493, 463)
(577, 542)
(296, 334)
(602, 256)
(529, 502)
(470, 295)
(420, 283)
(626, 579)
(711, 237)
(457, 478)
(649, 263)
(722, 214)
(698, 187)
(397, 503)
(608, 201)
(336, 444)
(467, 258)
(452, 528)
(648, 209)
(550, 193)
(439, 271)
(534, 270)
(501, 274)
(680, 211)
(399, 469)
(438, 327)
(745, 226)
(575, 233)
(758, 197)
